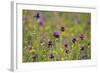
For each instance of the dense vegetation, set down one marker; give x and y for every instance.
(56, 36)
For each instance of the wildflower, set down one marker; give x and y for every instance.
(51, 55)
(62, 28)
(50, 43)
(74, 40)
(66, 45)
(41, 23)
(56, 34)
(37, 15)
(81, 37)
(82, 47)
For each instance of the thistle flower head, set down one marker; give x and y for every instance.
(82, 47)
(56, 34)
(41, 23)
(66, 45)
(81, 37)
(51, 55)
(37, 15)
(74, 40)
(62, 29)
(50, 43)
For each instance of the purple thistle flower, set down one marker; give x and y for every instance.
(41, 23)
(37, 15)
(51, 55)
(82, 48)
(56, 34)
(50, 43)
(81, 37)
(66, 45)
(74, 40)
(62, 28)
(40, 17)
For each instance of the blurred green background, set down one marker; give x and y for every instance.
(36, 36)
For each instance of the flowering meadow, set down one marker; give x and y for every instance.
(56, 36)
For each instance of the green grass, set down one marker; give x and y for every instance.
(35, 36)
